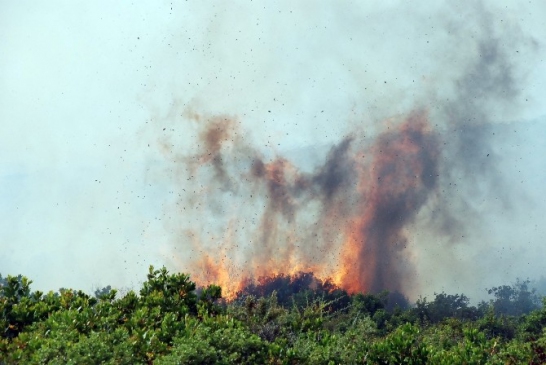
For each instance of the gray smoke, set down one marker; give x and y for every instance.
(467, 66)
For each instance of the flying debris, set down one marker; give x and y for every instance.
(344, 221)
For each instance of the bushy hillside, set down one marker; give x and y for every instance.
(278, 320)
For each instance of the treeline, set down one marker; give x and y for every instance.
(278, 320)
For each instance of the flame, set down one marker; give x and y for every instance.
(343, 222)
(402, 175)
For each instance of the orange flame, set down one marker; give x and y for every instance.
(343, 222)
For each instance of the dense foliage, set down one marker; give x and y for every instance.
(279, 320)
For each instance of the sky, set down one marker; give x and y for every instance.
(93, 94)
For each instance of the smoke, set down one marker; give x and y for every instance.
(411, 165)
(234, 140)
(488, 88)
(403, 173)
(344, 220)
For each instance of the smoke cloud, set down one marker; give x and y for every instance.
(383, 145)
(410, 161)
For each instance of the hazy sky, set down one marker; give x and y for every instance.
(87, 88)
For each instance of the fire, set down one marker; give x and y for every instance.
(402, 175)
(344, 221)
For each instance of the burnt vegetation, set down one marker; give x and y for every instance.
(282, 319)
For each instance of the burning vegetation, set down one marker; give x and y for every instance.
(343, 222)
(243, 214)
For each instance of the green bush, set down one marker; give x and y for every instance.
(169, 321)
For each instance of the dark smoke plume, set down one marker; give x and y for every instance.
(488, 88)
